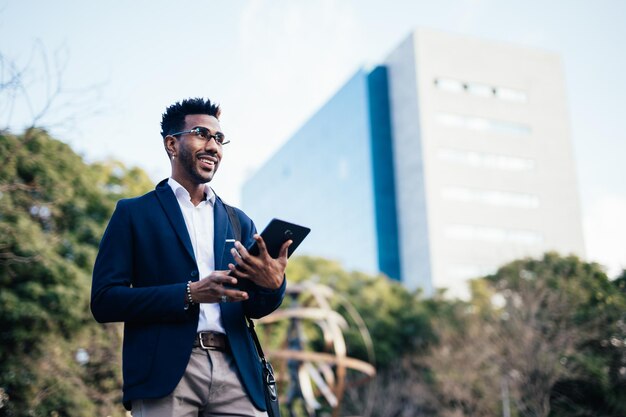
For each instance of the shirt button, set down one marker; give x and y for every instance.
(194, 273)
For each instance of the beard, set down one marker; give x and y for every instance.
(189, 163)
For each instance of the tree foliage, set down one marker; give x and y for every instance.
(53, 209)
(544, 337)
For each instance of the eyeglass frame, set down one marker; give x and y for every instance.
(196, 131)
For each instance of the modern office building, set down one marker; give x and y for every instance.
(449, 159)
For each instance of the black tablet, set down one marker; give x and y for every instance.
(278, 232)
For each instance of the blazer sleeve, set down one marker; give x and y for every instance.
(113, 296)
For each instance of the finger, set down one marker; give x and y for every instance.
(248, 264)
(261, 244)
(242, 251)
(235, 295)
(215, 280)
(234, 268)
(235, 253)
(236, 271)
(241, 274)
(284, 250)
(241, 265)
(220, 273)
(226, 280)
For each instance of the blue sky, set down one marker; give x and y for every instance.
(272, 63)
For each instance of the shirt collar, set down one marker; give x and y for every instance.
(182, 194)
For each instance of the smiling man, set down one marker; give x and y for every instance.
(164, 270)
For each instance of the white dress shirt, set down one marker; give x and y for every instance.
(200, 226)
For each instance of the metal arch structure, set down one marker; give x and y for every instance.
(318, 377)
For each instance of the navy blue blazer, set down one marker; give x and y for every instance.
(140, 276)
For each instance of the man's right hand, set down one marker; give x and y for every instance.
(216, 286)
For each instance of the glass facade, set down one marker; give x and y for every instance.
(382, 168)
(335, 175)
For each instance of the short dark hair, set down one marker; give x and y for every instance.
(173, 120)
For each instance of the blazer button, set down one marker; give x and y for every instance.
(194, 273)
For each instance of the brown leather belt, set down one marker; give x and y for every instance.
(211, 341)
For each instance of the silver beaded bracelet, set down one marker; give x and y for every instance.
(189, 298)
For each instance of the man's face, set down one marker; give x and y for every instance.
(197, 158)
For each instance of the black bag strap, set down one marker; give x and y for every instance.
(236, 225)
(234, 221)
(256, 339)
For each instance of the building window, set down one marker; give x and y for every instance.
(481, 124)
(510, 94)
(481, 90)
(447, 84)
(492, 234)
(485, 160)
(490, 197)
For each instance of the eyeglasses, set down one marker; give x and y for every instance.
(205, 133)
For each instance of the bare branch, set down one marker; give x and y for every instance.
(38, 90)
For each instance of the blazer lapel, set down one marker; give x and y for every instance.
(171, 208)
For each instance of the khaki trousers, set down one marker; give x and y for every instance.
(210, 387)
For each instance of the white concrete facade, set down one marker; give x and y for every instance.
(483, 158)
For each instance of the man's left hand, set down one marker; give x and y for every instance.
(263, 270)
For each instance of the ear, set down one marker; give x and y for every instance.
(171, 145)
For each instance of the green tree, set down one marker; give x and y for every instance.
(570, 328)
(543, 336)
(53, 209)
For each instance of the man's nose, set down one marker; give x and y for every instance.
(211, 144)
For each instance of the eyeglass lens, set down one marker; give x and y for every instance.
(206, 134)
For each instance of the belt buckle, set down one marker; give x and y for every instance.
(202, 342)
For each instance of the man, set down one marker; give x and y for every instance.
(163, 269)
